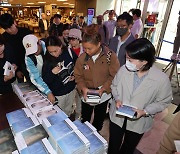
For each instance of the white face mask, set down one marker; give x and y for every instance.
(131, 67)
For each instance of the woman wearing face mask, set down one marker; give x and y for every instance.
(6, 54)
(138, 83)
(95, 69)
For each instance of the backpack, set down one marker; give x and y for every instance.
(33, 58)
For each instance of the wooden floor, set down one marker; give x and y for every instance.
(8, 102)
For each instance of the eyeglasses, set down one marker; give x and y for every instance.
(72, 38)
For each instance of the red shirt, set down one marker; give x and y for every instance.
(77, 51)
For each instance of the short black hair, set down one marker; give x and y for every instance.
(136, 12)
(2, 40)
(6, 21)
(126, 16)
(142, 49)
(57, 16)
(66, 27)
(81, 17)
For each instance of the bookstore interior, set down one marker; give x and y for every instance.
(29, 122)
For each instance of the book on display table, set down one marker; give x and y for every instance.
(73, 143)
(85, 128)
(18, 115)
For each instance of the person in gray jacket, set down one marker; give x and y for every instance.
(123, 36)
(139, 84)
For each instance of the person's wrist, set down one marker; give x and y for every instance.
(145, 113)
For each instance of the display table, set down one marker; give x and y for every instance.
(8, 102)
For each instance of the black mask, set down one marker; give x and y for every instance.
(121, 31)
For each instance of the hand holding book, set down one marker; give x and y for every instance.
(140, 113)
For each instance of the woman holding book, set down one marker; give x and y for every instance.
(58, 73)
(94, 72)
(140, 84)
(6, 54)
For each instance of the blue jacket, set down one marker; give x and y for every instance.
(35, 73)
(122, 52)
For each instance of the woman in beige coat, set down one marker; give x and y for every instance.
(138, 83)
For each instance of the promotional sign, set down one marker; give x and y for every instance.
(151, 20)
(90, 16)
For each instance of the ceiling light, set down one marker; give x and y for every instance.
(65, 3)
(62, 0)
(30, 3)
(71, 4)
(53, 4)
(42, 2)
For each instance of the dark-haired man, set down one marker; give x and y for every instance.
(56, 27)
(137, 27)
(111, 23)
(123, 36)
(14, 36)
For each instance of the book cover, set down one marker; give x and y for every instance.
(71, 143)
(65, 72)
(35, 148)
(61, 129)
(33, 99)
(34, 134)
(5, 135)
(18, 115)
(31, 94)
(45, 112)
(8, 67)
(95, 143)
(35, 106)
(127, 111)
(24, 124)
(84, 128)
(8, 147)
(56, 118)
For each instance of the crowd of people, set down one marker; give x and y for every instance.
(71, 59)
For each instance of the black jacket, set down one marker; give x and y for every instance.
(41, 25)
(55, 81)
(6, 87)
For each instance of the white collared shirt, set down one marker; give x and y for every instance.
(137, 28)
(45, 24)
(121, 43)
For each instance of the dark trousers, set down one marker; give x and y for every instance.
(99, 114)
(122, 141)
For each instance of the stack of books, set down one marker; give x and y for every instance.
(54, 119)
(73, 143)
(45, 128)
(21, 120)
(85, 128)
(23, 88)
(93, 97)
(38, 104)
(33, 140)
(60, 130)
(98, 145)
